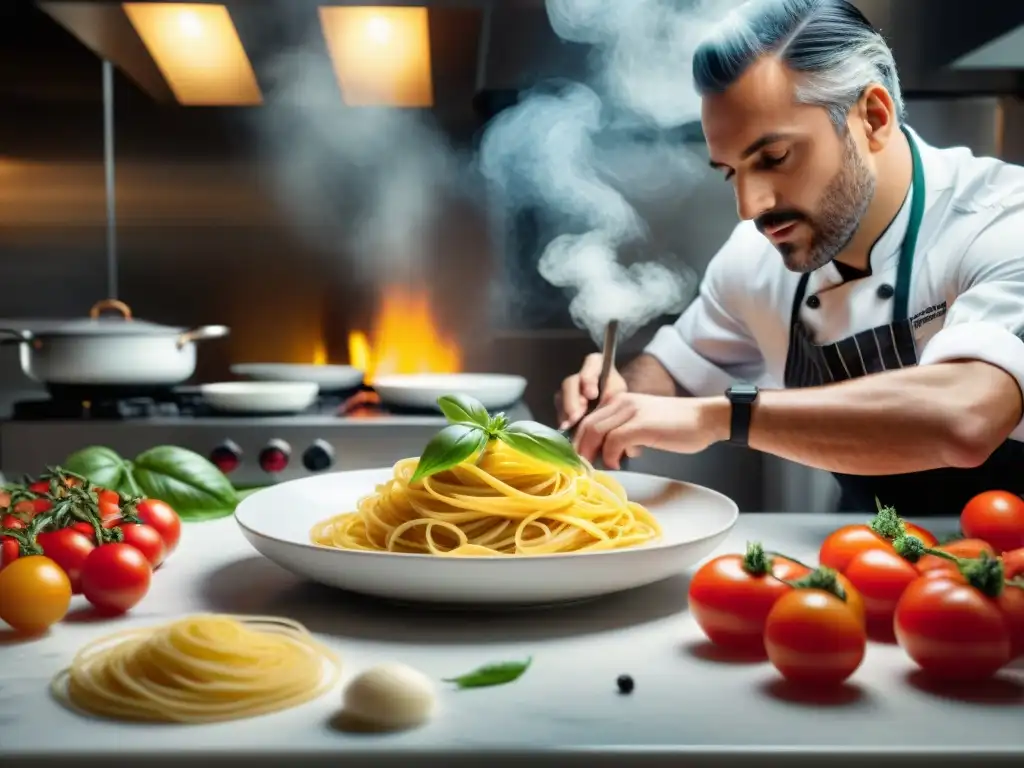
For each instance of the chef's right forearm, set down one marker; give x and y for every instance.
(646, 376)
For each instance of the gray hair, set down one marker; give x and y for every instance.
(830, 42)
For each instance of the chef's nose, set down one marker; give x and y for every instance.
(754, 196)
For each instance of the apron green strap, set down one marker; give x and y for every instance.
(906, 264)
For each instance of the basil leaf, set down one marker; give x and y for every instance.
(492, 674)
(193, 486)
(541, 442)
(452, 445)
(462, 409)
(104, 468)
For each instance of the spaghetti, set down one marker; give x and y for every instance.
(504, 503)
(200, 669)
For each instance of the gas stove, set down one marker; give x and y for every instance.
(341, 431)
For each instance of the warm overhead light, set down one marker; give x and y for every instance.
(197, 49)
(381, 55)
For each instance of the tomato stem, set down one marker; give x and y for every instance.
(886, 523)
(984, 573)
(774, 554)
(756, 561)
(825, 579)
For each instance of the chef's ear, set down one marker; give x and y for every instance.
(877, 110)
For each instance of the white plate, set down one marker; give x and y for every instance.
(329, 377)
(260, 396)
(421, 390)
(277, 522)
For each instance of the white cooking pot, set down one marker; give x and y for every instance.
(110, 351)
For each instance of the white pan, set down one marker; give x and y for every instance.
(421, 390)
(329, 377)
(259, 396)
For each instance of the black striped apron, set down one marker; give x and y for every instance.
(886, 348)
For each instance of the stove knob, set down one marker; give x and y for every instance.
(318, 457)
(275, 456)
(226, 457)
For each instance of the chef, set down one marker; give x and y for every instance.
(867, 315)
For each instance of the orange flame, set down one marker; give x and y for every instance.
(405, 339)
(320, 353)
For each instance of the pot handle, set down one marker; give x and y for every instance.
(13, 336)
(119, 306)
(202, 333)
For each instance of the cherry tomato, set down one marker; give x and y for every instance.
(86, 530)
(880, 577)
(842, 544)
(10, 521)
(9, 551)
(854, 599)
(109, 510)
(1013, 563)
(103, 496)
(952, 630)
(927, 537)
(34, 593)
(730, 605)
(967, 548)
(1011, 602)
(115, 577)
(145, 539)
(69, 549)
(40, 486)
(813, 637)
(996, 517)
(161, 516)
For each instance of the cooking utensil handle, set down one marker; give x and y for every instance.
(118, 306)
(202, 333)
(14, 336)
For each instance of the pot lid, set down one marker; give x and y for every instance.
(118, 321)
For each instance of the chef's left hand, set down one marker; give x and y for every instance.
(629, 422)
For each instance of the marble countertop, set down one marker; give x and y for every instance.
(689, 706)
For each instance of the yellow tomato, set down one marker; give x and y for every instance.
(34, 593)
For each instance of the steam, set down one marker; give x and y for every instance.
(374, 183)
(368, 182)
(582, 152)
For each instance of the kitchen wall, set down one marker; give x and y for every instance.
(201, 237)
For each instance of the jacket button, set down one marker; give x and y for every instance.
(813, 301)
(886, 291)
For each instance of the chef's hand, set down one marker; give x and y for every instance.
(580, 388)
(628, 422)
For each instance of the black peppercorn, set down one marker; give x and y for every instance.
(625, 683)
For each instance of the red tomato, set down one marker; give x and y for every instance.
(926, 536)
(966, 548)
(996, 517)
(1011, 602)
(161, 516)
(880, 577)
(952, 630)
(814, 637)
(145, 539)
(103, 496)
(9, 551)
(841, 545)
(730, 605)
(40, 486)
(1013, 563)
(69, 549)
(10, 521)
(115, 577)
(109, 510)
(86, 530)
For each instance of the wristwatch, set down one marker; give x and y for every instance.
(742, 397)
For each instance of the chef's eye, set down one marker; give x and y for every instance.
(772, 161)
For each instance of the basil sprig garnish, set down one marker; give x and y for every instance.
(471, 428)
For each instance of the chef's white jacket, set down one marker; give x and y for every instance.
(966, 297)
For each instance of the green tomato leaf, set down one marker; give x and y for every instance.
(491, 674)
(452, 445)
(193, 486)
(462, 409)
(541, 442)
(104, 468)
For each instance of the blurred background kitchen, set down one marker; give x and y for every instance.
(268, 191)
